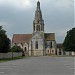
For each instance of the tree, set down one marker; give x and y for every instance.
(16, 49)
(4, 41)
(69, 42)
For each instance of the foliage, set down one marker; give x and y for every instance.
(4, 41)
(69, 42)
(16, 49)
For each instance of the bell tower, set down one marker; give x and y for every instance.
(37, 40)
(38, 23)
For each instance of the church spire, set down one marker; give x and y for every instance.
(38, 13)
(38, 5)
(38, 23)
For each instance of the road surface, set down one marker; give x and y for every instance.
(43, 65)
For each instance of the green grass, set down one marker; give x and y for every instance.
(10, 59)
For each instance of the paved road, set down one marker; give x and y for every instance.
(44, 65)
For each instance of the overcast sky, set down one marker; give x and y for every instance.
(17, 16)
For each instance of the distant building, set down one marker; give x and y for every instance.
(59, 50)
(38, 43)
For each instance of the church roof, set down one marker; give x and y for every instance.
(21, 38)
(50, 36)
(60, 45)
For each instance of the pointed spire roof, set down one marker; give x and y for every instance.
(38, 13)
(38, 5)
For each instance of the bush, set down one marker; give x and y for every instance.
(16, 49)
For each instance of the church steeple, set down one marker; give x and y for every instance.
(38, 5)
(38, 13)
(38, 23)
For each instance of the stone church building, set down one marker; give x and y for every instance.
(38, 43)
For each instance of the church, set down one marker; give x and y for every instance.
(38, 43)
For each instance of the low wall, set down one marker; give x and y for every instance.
(70, 53)
(73, 53)
(65, 53)
(10, 55)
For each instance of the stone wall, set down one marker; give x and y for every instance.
(61, 52)
(10, 55)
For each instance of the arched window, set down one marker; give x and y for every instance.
(38, 21)
(52, 51)
(50, 44)
(25, 49)
(48, 51)
(36, 45)
(38, 28)
(34, 27)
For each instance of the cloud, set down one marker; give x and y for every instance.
(64, 3)
(17, 16)
(21, 4)
(27, 4)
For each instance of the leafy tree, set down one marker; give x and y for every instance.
(4, 41)
(69, 42)
(16, 49)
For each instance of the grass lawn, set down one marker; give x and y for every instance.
(10, 59)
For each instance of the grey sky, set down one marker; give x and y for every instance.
(17, 16)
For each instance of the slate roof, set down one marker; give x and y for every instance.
(60, 45)
(50, 36)
(21, 38)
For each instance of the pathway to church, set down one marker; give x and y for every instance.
(44, 65)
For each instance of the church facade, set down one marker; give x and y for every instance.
(38, 43)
